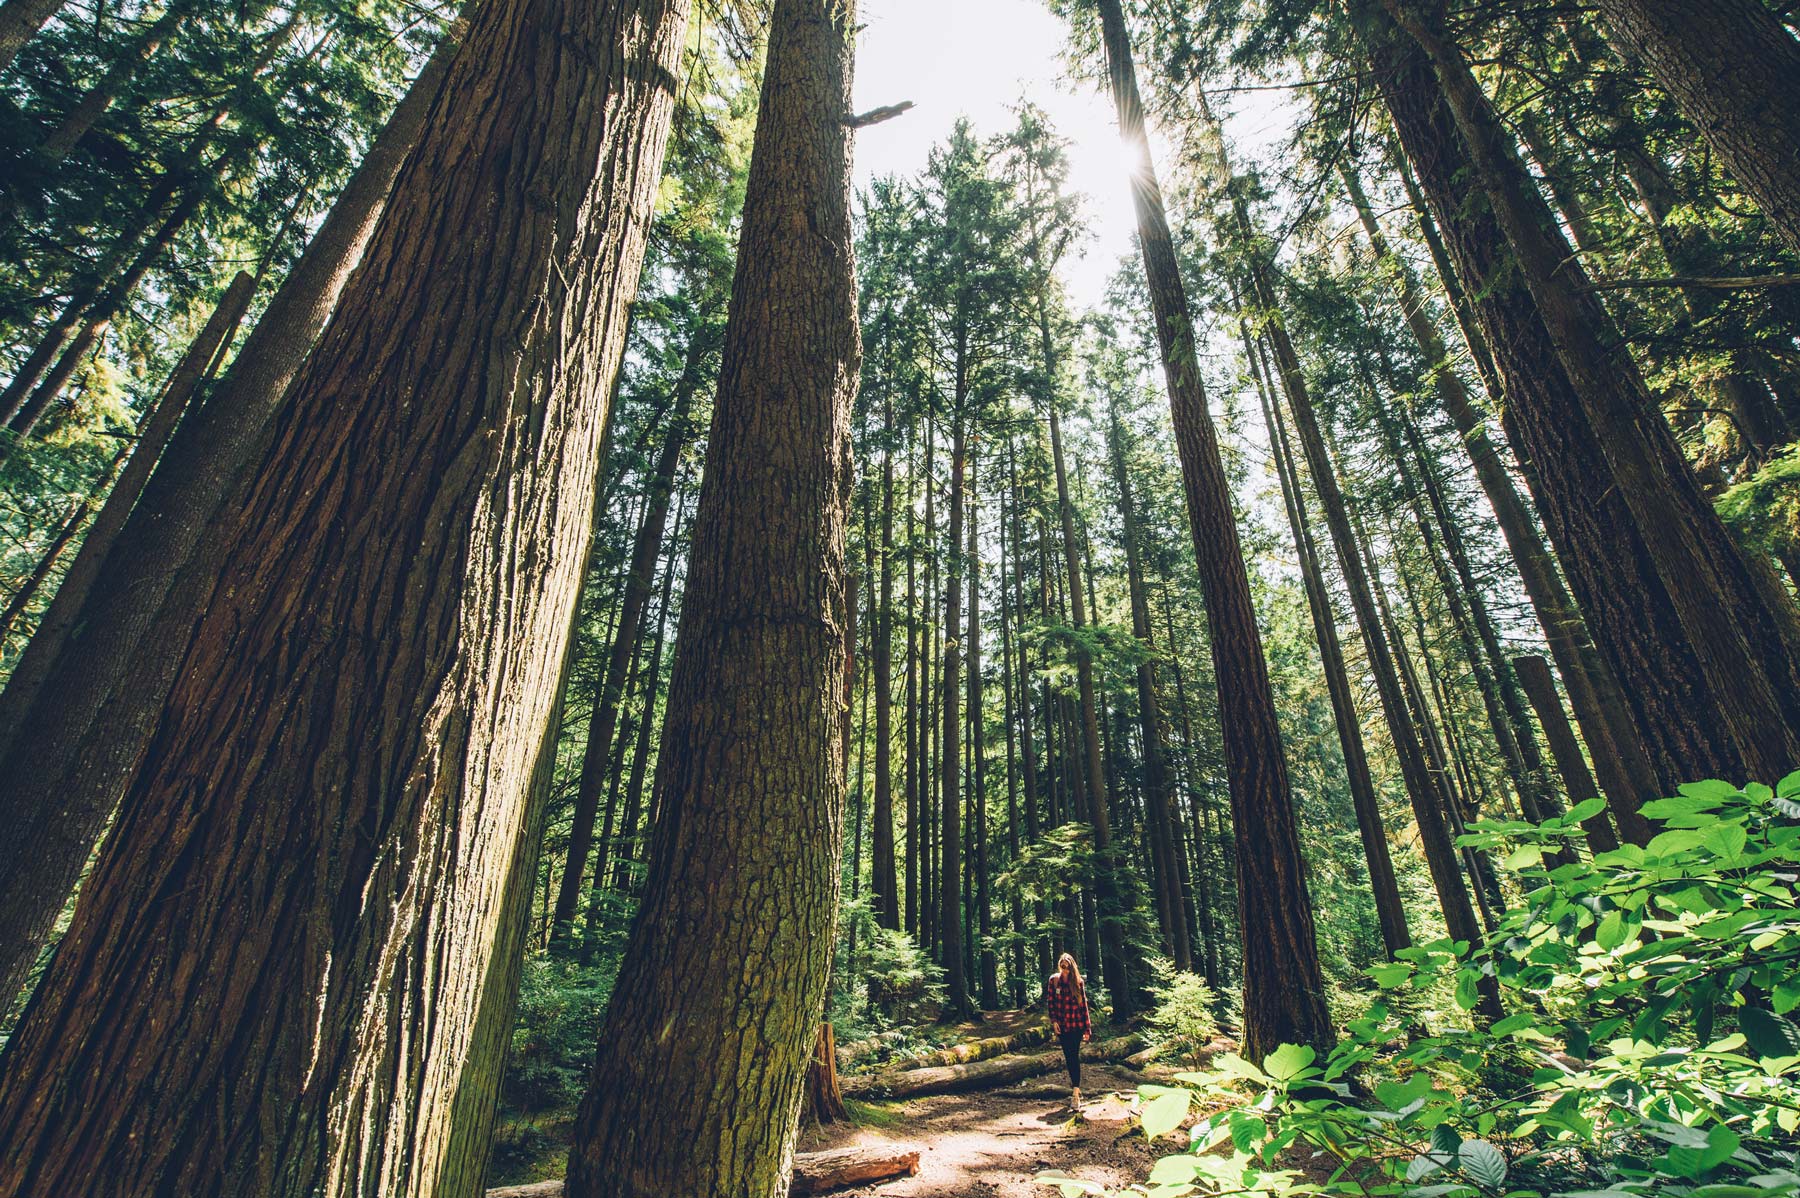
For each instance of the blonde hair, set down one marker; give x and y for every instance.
(1068, 960)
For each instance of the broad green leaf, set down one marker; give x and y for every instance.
(1611, 932)
(1586, 809)
(1769, 1035)
(1468, 989)
(1727, 839)
(1721, 1142)
(1484, 1163)
(1789, 787)
(1164, 1113)
(1427, 1163)
(1397, 1096)
(1711, 788)
(1174, 1171)
(1445, 1139)
(1288, 1061)
(1390, 975)
(1522, 858)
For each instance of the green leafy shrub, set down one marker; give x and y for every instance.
(558, 1024)
(1649, 1048)
(1183, 1018)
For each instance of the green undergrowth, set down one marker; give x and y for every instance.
(1649, 1046)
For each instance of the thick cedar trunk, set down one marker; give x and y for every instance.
(1390, 911)
(338, 786)
(1534, 676)
(732, 943)
(1158, 784)
(1284, 998)
(949, 884)
(1624, 768)
(883, 879)
(1705, 647)
(1731, 66)
(107, 654)
(639, 577)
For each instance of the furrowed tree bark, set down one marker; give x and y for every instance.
(110, 645)
(1731, 66)
(338, 785)
(732, 943)
(1390, 910)
(1283, 987)
(1653, 570)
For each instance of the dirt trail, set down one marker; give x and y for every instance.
(991, 1144)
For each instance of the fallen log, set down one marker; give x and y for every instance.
(840, 1168)
(980, 1050)
(814, 1172)
(979, 1075)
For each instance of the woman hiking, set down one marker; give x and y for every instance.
(1066, 996)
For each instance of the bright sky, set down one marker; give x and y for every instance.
(978, 58)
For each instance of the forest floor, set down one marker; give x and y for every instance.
(993, 1143)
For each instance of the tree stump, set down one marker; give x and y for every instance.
(824, 1101)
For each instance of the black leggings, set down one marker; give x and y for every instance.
(1071, 1046)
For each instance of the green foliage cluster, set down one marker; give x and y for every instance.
(1650, 1047)
(1183, 1019)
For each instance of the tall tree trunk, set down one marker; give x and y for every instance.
(639, 578)
(1284, 999)
(93, 105)
(1731, 66)
(1158, 785)
(337, 788)
(1624, 768)
(1704, 643)
(1028, 758)
(1390, 911)
(949, 887)
(111, 644)
(989, 975)
(738, 912)
(883, 879)
(1422, 786)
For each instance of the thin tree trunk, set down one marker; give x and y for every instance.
(744, 867)
(364, 702)
(1158, 785)
(989, 997)
(93, 105)
(883, 880)
(1422, 788)
(639, 578)
(1390, 911)
(949, 895)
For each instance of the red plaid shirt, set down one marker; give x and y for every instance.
(1068, 1004)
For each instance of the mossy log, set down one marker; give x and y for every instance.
(814, 1172)
(980, 1075)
